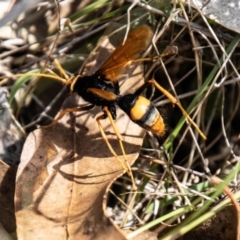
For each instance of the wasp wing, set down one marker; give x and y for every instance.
(137, 41)
(109, 96)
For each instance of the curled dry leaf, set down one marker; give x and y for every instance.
(65, 171)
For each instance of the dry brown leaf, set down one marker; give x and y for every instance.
(65, 171)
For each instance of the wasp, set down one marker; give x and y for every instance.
(102, 89)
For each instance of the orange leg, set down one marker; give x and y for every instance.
(48, 73)
(61, 70)
(125, 165)
(68, 110)
(175, 102)
(65, 79)
(68, 80)
(171, 50)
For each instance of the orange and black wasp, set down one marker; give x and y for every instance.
(102, 89)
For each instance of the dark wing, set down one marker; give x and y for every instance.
(137, 41)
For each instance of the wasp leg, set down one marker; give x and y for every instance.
(125, 166)
(64, 78)
(48, 73)
(61, 70)
(54, 76)
(173, 101)
(68, 110)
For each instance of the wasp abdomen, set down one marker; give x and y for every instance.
(141, 111)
